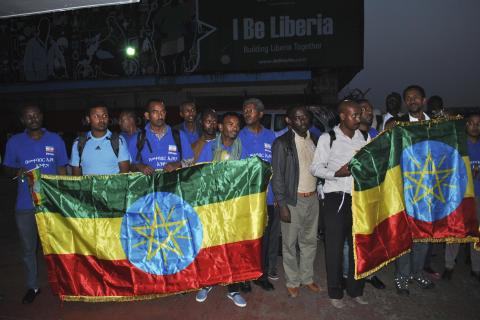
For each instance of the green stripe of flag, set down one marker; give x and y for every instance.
(371, 163)
(109, 196)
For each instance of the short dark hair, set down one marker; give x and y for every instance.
(342, 105)
(183, 105)
(414, 87)
(29, 104)
(147, 105)
(256, 102)
(229, 114)
(209, 112)
(98, 104)
(435, 102)
(291, 110)
(394, 95)
(128, 112)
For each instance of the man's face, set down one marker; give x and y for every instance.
(230, 127)
(414, 100)
(156, 114)
(366, 116)
(251, 114)
(126, 122)
(350, 117)
(188, 113)
(393, 105)
(300, 121)
(98, 118)
(473, 126)
(32, 118)
(209, 125)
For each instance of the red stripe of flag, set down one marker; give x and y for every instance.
(79, 275)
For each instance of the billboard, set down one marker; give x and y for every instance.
(170, 37)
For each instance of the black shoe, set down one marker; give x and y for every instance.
(30, 296)
(264, 284)
(423, 282)
(246, 287)
(447, 274)
(402, 286)
(376, 282)
(476, 274)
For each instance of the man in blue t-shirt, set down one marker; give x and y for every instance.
(99, 152)
(257, 141)
(189, 126)
(156, 147)
(225, 146)
(33, 148)
(128, 126)
(451, 249)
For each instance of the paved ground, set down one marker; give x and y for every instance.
(456, 299)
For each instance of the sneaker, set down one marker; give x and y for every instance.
(237, 299)
(401, 284)
(423, 282)
(360, 300)
(273, 275)
(202, 295)
(338, 303)
(30, 296)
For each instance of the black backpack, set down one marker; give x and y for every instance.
(82, 141)
(142, 139)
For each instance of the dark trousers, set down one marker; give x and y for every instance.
(270, 242)
(338, 227)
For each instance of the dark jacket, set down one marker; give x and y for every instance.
(285, 169)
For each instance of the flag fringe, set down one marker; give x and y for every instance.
(383, 264)
(449, 240)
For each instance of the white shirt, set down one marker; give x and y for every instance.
(327, 161)
(413, 119)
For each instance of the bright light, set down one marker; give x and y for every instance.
(130, 51)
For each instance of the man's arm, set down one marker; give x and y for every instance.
(124, 166)
(278, 180)
(76, 171)
(319, 167)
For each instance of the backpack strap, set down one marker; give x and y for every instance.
(178, 142)
(141, 140)
(115, 142)
(81, 142)
(333, 136)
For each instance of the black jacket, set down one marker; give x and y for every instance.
(285, 169)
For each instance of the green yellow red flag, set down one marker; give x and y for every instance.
(130, 236)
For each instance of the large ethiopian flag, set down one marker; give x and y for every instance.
(131, 236)
(412, 183)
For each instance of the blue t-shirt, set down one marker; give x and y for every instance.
(207, 153)
(22, 151)
(260, 145)
(164, 150)
(373, 132)
(98, 156)
(474, 155)
(129, 137)
(191, 136)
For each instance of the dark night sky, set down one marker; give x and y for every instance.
(433, 43)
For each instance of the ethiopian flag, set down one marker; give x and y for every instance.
(412, 183)
(130, 236)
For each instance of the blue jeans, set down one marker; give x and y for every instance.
(27, 229)
(411, 264)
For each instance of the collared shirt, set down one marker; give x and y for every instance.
(258, 144)
(413, 119)
(305, 151)
(474, 155)
(207, 154)
(192, 136)
(46, 153)
(98, 156)
(328, 160)
(164, 149)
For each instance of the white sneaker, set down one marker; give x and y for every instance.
(237, 299)
(360, 300)
(338, 303)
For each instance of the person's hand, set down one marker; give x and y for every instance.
(172, 166)
(343, 171)
(146, 170)
(285, 215)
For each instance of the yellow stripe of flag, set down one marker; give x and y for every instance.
(225, 222)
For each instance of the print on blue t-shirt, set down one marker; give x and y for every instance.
(47, 154)
(98, 156)
(163, 151)
(260, 145)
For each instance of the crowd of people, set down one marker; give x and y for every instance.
(299, 208)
